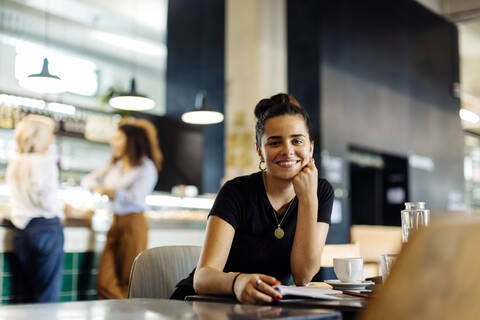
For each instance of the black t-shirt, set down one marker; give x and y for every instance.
(243, 203)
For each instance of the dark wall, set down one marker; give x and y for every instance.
(179, 142)
(195, 61)
(384, 73)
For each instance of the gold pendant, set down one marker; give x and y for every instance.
(279, 233)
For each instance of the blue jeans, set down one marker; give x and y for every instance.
(39, 248)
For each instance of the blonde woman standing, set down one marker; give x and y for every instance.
(35, 209)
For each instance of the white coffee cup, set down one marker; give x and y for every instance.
(348, 269)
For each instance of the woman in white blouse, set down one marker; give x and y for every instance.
(32, 177)
(129, 177)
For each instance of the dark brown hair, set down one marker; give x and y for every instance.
(141, 141)
(278, 105)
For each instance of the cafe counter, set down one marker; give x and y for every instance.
(173, 220)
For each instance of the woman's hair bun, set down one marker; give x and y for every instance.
(280, 98)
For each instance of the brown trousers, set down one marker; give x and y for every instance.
(126, 238)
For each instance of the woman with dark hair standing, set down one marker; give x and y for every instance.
(129, 177)
(268, 226)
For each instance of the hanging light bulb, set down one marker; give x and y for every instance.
(131, 100)
(201, 114)
(43, 82)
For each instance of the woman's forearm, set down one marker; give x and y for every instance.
(307, 246)
(208, 280)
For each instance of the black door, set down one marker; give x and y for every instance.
(378, 187)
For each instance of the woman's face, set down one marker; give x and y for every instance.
(285, 146)
(48, 143)
(119, 143)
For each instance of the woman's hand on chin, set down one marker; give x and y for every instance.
(256, 289)
(305, 183)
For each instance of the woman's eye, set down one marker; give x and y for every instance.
(297, 141)
(273, 143)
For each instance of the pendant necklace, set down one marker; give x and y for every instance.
(279, 233)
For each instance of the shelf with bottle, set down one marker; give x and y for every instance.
(71, 121)
(74, 154)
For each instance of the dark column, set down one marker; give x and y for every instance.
(195, 61)
(304, 44)
(304, 59)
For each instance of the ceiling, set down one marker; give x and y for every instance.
(82, 25)
(92, 27)
(116, 15)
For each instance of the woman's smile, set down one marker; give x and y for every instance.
(287, 164)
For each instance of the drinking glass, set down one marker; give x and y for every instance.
(414, 217)
(386, 262)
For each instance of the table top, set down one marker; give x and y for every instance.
(158, 309)
(349, 308)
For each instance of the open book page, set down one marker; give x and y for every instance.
(319, 285)
(309, 292)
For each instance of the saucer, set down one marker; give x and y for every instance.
(339, 285)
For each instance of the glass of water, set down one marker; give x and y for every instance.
(386, 263)
(414, 218)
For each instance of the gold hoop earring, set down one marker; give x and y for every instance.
(260, 166)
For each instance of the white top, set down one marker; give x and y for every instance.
(131, 186)
(33, 183)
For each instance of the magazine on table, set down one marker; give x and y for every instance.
(310, 292)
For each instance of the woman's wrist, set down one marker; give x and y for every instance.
(110, 193)
(233, 284)
(308, 200)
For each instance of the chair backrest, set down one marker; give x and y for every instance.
(436, 275)
(156, 271)
(330, 251)
(376, 240)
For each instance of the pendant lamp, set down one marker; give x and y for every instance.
(131, 100)
(201, 114)
(43, 82)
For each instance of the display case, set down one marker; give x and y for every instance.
(173, 220)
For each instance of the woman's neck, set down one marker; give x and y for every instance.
(126, 163)
(280, 192)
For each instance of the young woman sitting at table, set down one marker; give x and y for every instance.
(268, 226)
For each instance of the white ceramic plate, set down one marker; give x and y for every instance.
(337, 284)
